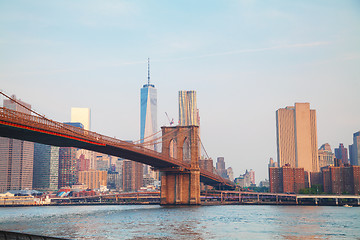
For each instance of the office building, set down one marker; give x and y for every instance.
(93, 179)
(287, 179)
(297, 137)
(46, 167)
(220, 167)
(148, 121)
(188, 111)
(148, 112)
(16, 156)
(326, 156)
(354, 150)
(341, 153)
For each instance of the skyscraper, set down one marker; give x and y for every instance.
(46, 167)
(148, 112)
(16, 156)
(148, 119)
(341, 153)
(355, 150)
(220, 167)
(188, 112)
(297, 137)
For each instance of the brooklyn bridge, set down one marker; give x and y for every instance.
(180, 176)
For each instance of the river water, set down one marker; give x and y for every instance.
(205, 222)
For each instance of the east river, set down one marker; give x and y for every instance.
(205, 222)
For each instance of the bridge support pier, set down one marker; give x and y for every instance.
(179, 186)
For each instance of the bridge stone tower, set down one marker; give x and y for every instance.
(179, 186)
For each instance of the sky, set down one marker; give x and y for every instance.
(245, 59)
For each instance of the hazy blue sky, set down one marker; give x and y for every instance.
(245, 59)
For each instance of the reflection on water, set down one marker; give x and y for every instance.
(210, 222)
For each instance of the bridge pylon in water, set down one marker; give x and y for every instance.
(179, 186)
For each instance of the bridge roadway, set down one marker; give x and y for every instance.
(17, 125)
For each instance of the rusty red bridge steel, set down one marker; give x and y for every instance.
(14, 124)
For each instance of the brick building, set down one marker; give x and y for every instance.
(132, 176)
(341, 179)
(287, 179)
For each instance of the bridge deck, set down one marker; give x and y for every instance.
(28, 127)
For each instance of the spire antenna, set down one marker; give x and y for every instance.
(148, 71)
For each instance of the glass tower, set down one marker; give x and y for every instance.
(46, 167)
(148, 116)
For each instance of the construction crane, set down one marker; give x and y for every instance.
(171, 122)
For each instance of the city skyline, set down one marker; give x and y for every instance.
(244, 59)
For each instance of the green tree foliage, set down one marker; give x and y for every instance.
(315, 189)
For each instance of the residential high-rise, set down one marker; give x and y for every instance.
(341, 153)
(46, 167)
(287, 179)
(148, 119)
(67, 167)
(355, 150)
(326, 156)
(341, 179)
(297, 137)
(132, 176)
(188, 111)
(16, 156)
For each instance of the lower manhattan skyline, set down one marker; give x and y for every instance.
(244, 59)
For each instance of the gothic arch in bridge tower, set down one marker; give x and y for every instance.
(173, 148)
(186, 150)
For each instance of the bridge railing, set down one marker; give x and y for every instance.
(49, 125)
(45, 124)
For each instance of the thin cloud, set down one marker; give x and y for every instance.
(254, 50)
(251, 50)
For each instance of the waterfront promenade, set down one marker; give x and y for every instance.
(207, 198)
